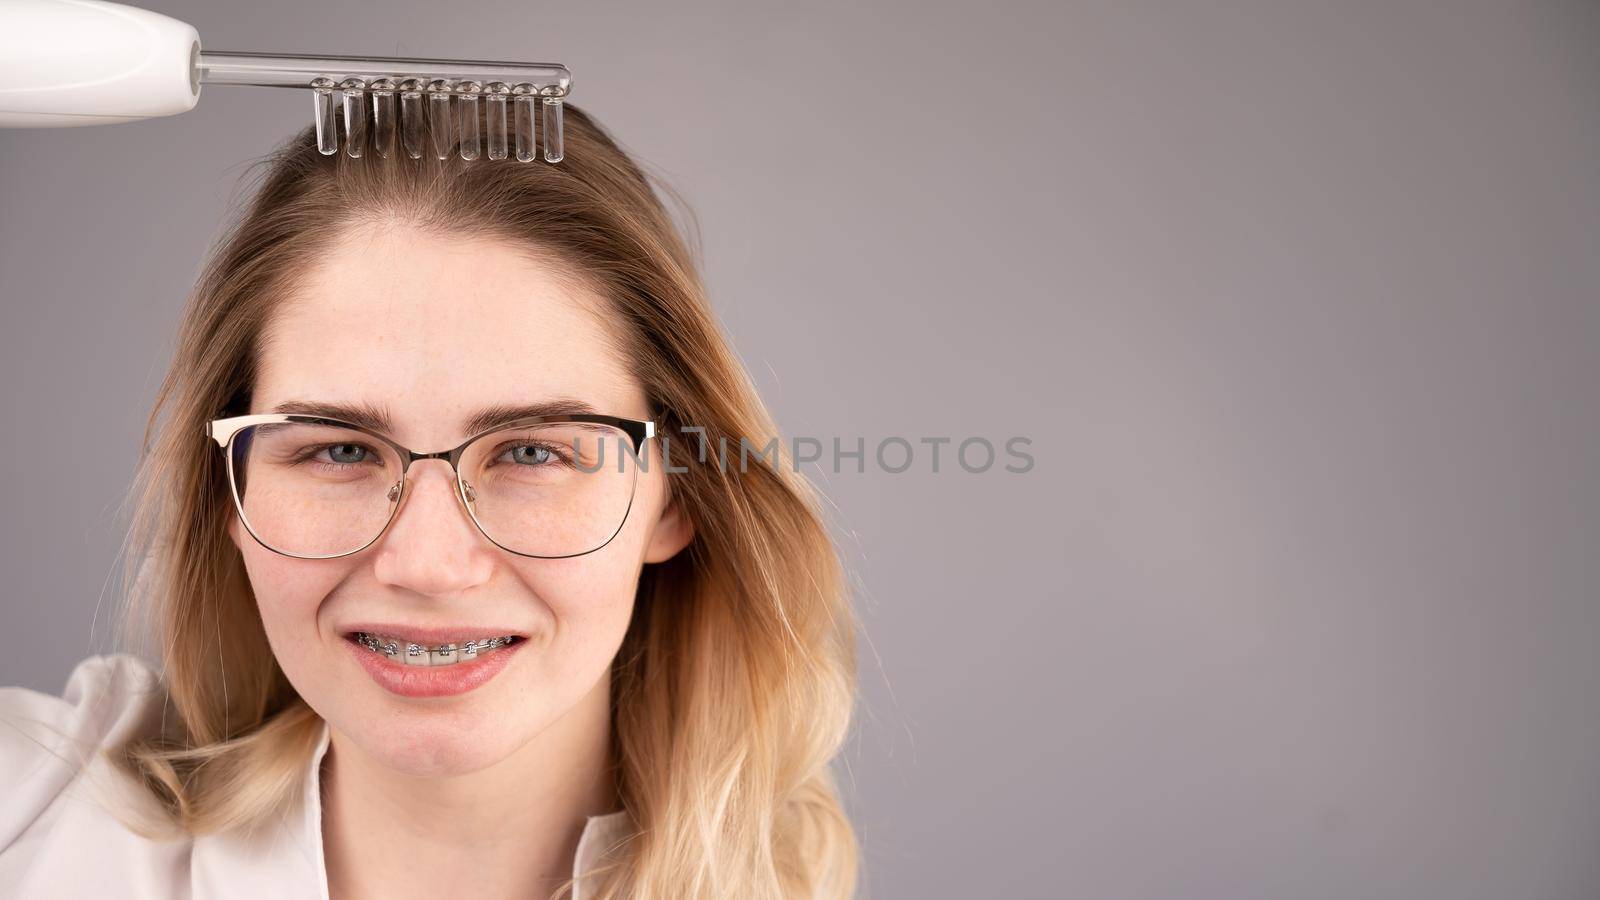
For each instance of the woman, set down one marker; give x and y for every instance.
(576, 645)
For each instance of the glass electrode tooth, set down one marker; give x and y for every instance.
(469, 118)
(523, 120)
(495, 118)
(552, 127)
(322, 99)
(382, 116)
(412, 120)
(439, 117)
(355, 116)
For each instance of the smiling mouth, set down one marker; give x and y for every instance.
(413, 654)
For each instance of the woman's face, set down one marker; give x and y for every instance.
(432, 329)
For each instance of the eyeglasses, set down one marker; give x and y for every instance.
(548, 487)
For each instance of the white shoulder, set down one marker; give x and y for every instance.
(47, 741)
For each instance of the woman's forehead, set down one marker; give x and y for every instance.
(404, 285)
(430, 326)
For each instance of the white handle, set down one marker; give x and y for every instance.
(89, 62)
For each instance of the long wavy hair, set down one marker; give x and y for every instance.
(734, 688)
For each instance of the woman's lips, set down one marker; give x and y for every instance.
(408, 679)
(414, 654)
(432, 636)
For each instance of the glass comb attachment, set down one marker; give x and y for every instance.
(414, 106)
(70, 63)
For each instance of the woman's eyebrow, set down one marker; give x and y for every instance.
(377, 418)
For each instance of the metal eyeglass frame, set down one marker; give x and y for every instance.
(223, 431)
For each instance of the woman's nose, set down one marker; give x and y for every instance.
(432, 546)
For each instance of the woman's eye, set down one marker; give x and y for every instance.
(530, 454)
(346, 454)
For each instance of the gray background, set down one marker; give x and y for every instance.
(1297, 303)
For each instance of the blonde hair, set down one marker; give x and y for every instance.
(734, 687)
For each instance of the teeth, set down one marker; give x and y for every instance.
(438, 655)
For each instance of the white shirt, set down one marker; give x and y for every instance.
(57, 839)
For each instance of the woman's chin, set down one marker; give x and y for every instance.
(434, 748)
(429, 743)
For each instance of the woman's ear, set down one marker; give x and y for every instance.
(671, 533)
(236, 531)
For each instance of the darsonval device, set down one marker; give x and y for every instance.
(89, 62)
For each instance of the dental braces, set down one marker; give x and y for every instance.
(469, 650)
(392, 93)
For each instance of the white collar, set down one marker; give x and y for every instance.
(286, 860)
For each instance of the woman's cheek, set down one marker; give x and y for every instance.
(590, 599)
(289, 594)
